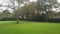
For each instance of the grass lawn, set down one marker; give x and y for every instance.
(25, 27)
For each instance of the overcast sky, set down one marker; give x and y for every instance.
(4, 2)
(59, 1)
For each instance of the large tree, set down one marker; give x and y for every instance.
(14, 7)
(28, 10)
(46, 5)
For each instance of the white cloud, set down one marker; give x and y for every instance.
(33, 0)
(21, 5)
(1, 1)
(58, 1)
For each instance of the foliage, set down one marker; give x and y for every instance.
(34, 11)
(27, 11)
(44, 6)
(6, 14)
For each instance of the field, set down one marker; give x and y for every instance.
(25, 27)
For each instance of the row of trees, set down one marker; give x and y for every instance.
(37, 11)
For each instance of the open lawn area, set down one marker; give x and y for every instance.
(25, 27)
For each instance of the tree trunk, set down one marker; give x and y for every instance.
(17, 18)
(17, 15)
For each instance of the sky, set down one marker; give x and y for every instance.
(33, 0)
(59, 1)
(5, 3)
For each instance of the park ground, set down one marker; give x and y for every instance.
(26, 27)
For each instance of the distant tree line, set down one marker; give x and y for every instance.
(34, 11)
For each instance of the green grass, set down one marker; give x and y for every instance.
(25, 27)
